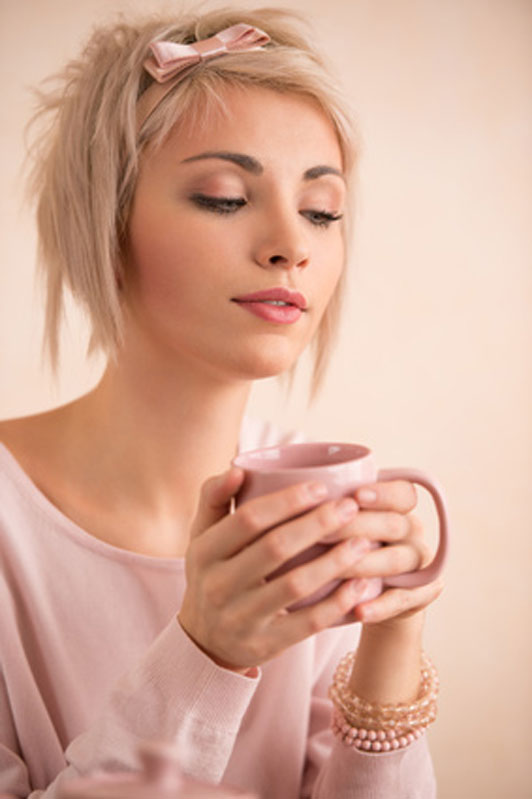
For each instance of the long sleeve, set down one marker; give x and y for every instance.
(175, 693)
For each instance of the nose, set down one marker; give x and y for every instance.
(282, 243)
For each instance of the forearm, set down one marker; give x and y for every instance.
(387, 667)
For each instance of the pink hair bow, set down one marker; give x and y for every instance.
(170, 58)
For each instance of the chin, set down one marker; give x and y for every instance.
(267, 362)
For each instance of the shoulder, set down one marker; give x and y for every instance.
(31, 439)
(30, 447)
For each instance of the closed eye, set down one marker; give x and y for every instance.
(219, 205)
(321, 218)
(229, 205)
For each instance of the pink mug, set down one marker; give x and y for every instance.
(342, 468)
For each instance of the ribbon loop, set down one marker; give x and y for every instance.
(168, 59)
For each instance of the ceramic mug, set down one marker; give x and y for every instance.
(342, 468)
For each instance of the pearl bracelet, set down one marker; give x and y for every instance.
(373, 727)
(372, 740)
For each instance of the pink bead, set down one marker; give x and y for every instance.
(358, 743)
(372, 735)
(395, 743)
(386, 746)
(381, 735)
(376, 746)
(366, 745)
(362, 734)
(390, 734)
(345, 728)
(403, 741)
(410, 738)
(352, 733)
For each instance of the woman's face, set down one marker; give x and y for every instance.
(228, 224)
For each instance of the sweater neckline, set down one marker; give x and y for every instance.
(29, 490)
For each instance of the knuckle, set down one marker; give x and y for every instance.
(297, 495)
(295, 585)
(326, 518)
(425, 554)
(341, 556)
(276, 545)
(250, 518)
(395, 559)
(410, 495)
(416, 525)
(398, 525)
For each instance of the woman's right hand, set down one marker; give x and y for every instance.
(229, 609)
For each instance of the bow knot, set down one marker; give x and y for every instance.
(168, 59)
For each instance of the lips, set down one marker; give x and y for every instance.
(278, 305)
(278, 297)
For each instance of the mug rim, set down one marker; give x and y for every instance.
(264, 464)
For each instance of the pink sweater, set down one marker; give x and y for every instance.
(92, 659)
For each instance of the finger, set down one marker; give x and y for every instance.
(397, 495)
(258, 515)
(287, 541)
(215, 499)
(388, 561)
(396, 602)
(302, 581)
(300, 624)
(377, 526)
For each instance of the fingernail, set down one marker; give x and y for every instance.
(358, 546)
(358, 587)
(346, 509)
(317, 490)
(367, 496)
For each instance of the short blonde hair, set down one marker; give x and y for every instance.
(86, 160)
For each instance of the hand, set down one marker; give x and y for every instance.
(387, 517)
(229, 609)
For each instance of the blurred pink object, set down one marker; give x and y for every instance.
(161, 778)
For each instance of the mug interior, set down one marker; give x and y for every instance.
(310, 455)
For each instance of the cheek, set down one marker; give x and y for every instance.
(161, 264)
(331, 259)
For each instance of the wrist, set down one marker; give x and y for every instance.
(407, 629)
(246, 671)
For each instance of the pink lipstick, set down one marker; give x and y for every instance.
(280, 305)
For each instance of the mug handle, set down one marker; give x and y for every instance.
(428, 573)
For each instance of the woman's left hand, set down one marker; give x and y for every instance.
(385, 515)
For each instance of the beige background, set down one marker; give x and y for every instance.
(433, 368)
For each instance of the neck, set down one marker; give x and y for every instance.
(154, 436)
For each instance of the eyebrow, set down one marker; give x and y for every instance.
(254, 167)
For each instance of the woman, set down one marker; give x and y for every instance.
(194, 200)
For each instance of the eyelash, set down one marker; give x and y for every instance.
(229, 205)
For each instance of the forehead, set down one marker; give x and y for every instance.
(274, 127)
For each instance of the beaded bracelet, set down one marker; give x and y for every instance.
(374, 727)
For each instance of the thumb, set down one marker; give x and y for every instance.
(215, 499)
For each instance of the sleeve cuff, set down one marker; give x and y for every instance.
(217, 696)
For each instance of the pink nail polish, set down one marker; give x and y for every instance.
(346, 509)
(366, 495)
